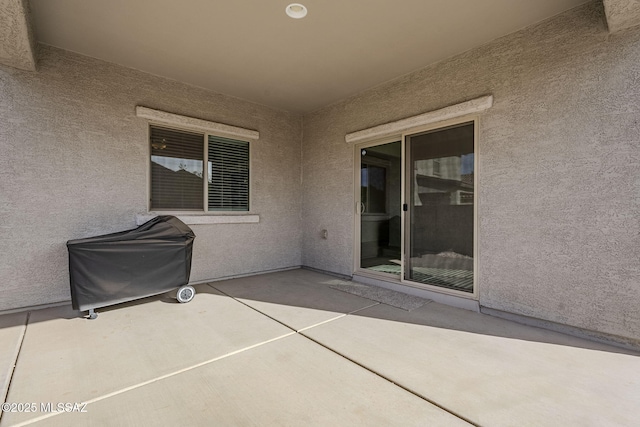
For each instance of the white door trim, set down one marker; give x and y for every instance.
(475, 106)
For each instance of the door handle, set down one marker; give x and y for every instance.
(361, 208)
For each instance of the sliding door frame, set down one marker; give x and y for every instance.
(358, 213)
(405, 219)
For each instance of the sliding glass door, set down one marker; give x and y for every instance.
(379, 208)
(415, 209)
(439, 192)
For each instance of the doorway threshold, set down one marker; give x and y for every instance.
(439, 297)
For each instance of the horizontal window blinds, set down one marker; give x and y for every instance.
(228, 173)
(176, 170)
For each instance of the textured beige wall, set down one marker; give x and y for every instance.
(559, 168)
(17, 41)
(74, 164)
(622, 14)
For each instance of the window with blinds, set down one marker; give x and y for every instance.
(228, 174)
(179, 181)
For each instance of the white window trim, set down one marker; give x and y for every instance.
(186, 123)
(474, 106)
(191, 123)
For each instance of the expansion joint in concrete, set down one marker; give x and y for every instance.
(374, 372)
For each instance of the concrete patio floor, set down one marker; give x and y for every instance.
(287, 349)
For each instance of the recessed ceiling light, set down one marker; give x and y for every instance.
(296, 10)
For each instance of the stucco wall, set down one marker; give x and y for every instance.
(559, 162)
(74, 164)
(559, 168)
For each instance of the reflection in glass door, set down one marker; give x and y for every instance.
(380, 208)
(440, 195)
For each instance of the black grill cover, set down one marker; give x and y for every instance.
(149, 260)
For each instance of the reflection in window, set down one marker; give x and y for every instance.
(380, 223)
(441, 208)
(176, 170)
(373, 188)
(177, 159)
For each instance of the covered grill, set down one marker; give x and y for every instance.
(114, 268)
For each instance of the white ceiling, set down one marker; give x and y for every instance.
(250, 49)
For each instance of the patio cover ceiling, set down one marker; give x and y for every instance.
(250, 49)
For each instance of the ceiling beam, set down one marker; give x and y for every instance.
(622, 14)
(17, 41)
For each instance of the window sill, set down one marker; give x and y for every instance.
(198, 219)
